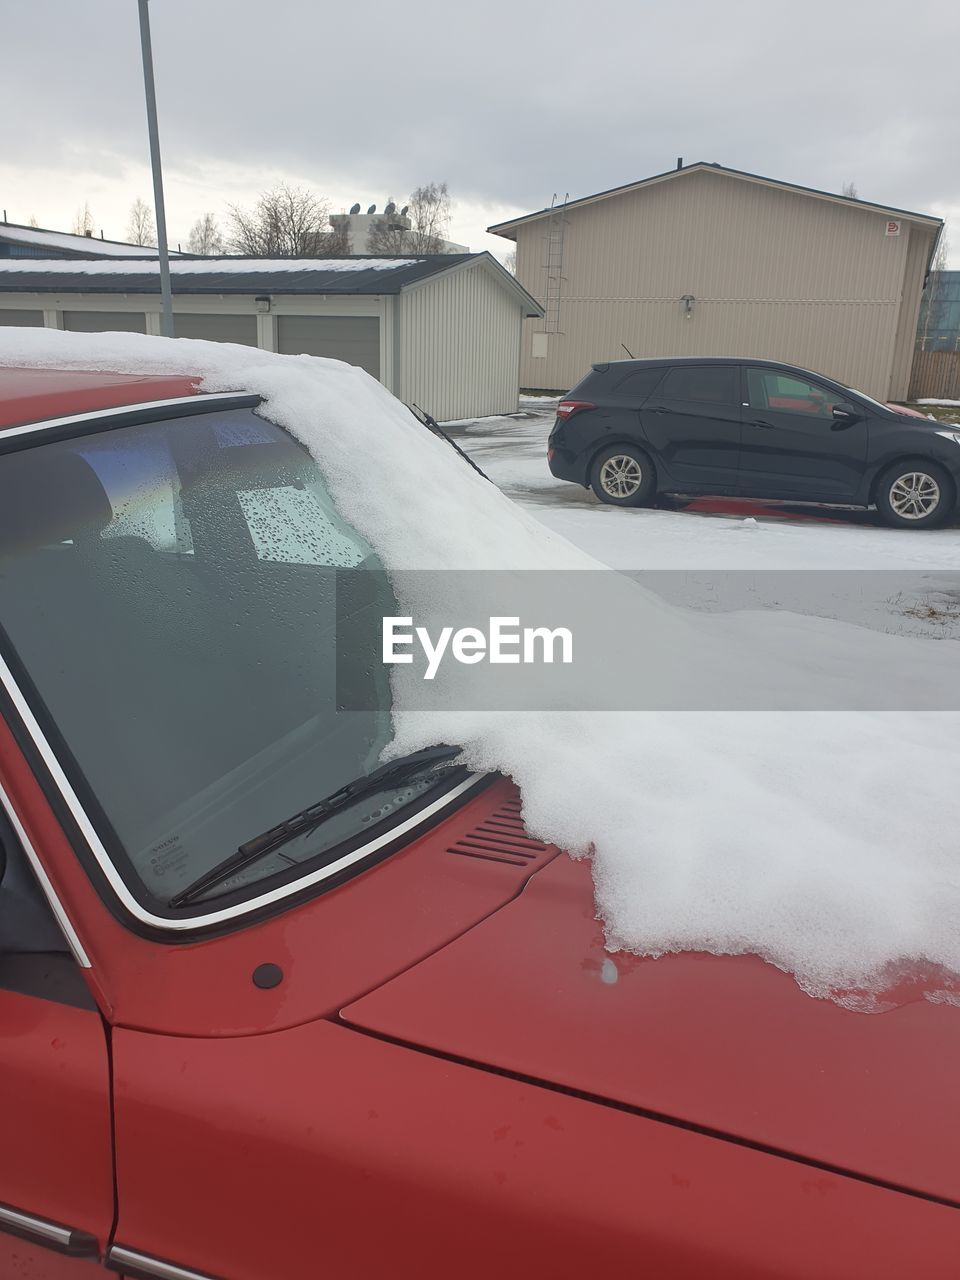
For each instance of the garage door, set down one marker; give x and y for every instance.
(215, 328)
(355, 339)
(16, 316)
(105, 321)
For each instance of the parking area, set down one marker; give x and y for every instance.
(723, 554)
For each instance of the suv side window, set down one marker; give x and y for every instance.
(705, 384)
(768, 389)
(637, 385)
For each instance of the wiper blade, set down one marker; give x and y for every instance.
(315, 815)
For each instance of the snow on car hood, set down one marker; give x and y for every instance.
(825, 842)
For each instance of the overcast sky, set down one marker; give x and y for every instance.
(508, 102)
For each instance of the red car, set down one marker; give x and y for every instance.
(269, 1009)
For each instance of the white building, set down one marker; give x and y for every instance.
(359, 225)
(441, 331)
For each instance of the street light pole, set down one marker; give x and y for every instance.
(166, 297)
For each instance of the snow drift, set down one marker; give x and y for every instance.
(825, 842)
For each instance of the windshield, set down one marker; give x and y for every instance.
(174, 592)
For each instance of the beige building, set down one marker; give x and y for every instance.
(705, 260)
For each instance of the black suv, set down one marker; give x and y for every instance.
(634, 428)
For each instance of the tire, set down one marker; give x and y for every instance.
(915, 494)
(624, 477)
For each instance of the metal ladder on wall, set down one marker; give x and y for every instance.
(553, 264)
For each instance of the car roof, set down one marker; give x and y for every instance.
(34, 395)
(658, 361)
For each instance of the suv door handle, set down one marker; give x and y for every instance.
(661, 408)
(760, 422)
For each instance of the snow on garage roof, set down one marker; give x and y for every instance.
(69, 242)
(233, 275)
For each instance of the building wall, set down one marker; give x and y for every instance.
(220, 319)
(919, 246)
(459, 344)
(775, 274)
(938, 328)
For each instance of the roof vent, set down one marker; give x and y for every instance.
(503, 838)
(679, 162)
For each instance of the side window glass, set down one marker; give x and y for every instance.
(784, 393)
(704, 384)
(638, 385)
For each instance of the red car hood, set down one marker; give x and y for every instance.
(731, 1046)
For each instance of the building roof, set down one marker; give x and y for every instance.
(508, 229)
(68, 244)
(360, 274)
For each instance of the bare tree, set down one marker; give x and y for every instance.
(510, 262)
(205, 236)
(83, 223)
(429, 210)
(849, 190)
(337, 242)
(33, 220)
(140, 227)
(286, 222)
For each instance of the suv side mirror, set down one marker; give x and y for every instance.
(845, 415)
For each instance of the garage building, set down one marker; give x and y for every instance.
(709, 261)
(441, 331)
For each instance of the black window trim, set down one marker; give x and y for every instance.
(53, 901)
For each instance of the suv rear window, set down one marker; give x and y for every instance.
(712, 384)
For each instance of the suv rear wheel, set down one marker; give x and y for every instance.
(624, 477)
(915, 494)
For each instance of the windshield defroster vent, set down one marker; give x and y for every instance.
(503, 838)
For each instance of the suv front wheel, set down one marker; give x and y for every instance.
(915, 494)
(624, 477)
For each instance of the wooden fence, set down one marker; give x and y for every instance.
(935, 376)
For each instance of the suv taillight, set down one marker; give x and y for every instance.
(566, 408)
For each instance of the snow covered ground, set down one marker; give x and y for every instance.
(845, 566)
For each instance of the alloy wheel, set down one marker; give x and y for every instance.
(621, 476)
(914, 495)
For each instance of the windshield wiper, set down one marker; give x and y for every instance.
(314, 816)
